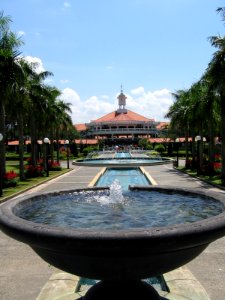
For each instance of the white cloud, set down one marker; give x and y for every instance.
(49, 80)
(138, 91)
(35, 60)
(66, 4)
(71, 95)
(151, 104)
(21, 33)
(63, 81)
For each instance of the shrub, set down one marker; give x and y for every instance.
(153, 153)
(34, 171)
(54, 166)
(218, 158)
(159, 148)
(10, 179)
(63, 152)
(88, 149)
(149, 146)
(217, 167)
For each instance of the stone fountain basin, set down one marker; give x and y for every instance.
(115, 255)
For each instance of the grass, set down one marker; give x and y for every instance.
(213, 179)
(27, 184)
(12, 165)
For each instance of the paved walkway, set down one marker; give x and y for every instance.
(23, 273)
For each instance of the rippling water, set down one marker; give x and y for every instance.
(136, 209)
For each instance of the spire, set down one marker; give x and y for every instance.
(121, 102)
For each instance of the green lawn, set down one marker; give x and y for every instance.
(215, 179)
(12, 165)
(27, 184)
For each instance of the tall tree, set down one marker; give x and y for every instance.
(216, 72)
(9, 53)
(19, 105)
(179, 114)
(38, 95)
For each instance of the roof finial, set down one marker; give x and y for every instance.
(122, 102)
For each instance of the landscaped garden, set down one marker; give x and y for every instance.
(12, 184)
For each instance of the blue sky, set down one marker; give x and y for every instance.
(152, 47)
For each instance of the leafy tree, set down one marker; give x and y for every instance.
(216, 73)
(9, 53)
(145, 144)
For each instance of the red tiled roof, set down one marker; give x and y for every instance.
(162, 125)
(16, 143)
(159, 140)
(62, 142)
(80, 127)
(115, 117)
(165, 140)
(87, 141)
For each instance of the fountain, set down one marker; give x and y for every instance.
(123, 253)
(123, 159)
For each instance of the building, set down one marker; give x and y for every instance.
(122, 126)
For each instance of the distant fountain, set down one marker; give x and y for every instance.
(123, 159)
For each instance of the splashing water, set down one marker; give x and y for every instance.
(115, 197)
(115, 194)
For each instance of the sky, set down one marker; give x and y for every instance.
(151, 47)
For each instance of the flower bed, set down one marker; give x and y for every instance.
(54, 166)
(34, 171)
(10, 179)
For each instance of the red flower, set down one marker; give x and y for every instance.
(10, 175)
(218, 157)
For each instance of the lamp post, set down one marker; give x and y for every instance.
(1, 138)
(46, 141)
(177, 141)
(198, 139)
(67, 153)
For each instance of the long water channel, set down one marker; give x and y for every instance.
(125, 177)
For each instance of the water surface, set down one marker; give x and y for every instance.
(136, 209)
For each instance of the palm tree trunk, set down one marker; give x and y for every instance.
(52, 150)
(193, 149)
(200, 150)
(222, 100)
(186, 145)
(21, 146)
(57, 141)
(2, 143)
(211, 143)
(33, 143)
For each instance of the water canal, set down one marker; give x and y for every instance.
(125, 177)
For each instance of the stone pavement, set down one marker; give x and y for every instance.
(23, 273)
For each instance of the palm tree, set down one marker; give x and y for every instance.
(9, 53)
(20, 105)
(63, 123)
(216, 73)
(38, 95)
(211, 114)
(179, 115)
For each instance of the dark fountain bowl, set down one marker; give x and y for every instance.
(120, 259)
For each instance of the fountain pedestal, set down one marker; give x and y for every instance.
(122, 290)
